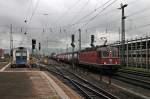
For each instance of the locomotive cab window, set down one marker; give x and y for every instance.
(24, 54)
(18, 54)
(104, 53)
(114, 52)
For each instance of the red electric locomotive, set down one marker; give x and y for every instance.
(103, 58)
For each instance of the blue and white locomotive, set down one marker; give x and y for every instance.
(20, 57)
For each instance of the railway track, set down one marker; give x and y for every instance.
(82, 86)
(134, 78)
(133, 72)
(131, 78)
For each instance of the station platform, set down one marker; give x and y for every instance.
(3, 64)
(33, 85)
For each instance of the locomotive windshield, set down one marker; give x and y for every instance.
(24, 54)
(21, 53)
(114, 52)
(105, 52)
(18, 54)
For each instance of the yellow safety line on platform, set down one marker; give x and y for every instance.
(4, 67)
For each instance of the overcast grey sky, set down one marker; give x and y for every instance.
(52, 22)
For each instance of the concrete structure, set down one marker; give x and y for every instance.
(25, 83)
(137, 52)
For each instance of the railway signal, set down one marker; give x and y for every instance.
(73, 46)
(72, 37)
(33, 44)
(92, 40)
(39, 46)
(72, 40)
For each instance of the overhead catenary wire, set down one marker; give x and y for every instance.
(97, 26)
(86, 20)
(89, 14)
(138, 12)
(29, 9)
(133, 2)
(110, 22)
(64, 14)
(139, 27)
(34, 10)
(98, 13)
(138, 17)
(82, 8)
(134, 14)
(91, 19)
(28, 18)
(82, 21)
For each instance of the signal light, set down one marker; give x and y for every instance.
(116, 62)
(92, 38)
(104, 62)
(33, 41)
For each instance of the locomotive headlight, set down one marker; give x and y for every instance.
(116, 62)
(104, 62)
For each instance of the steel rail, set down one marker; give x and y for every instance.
(80, 86)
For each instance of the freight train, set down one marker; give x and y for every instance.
(104, 58)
